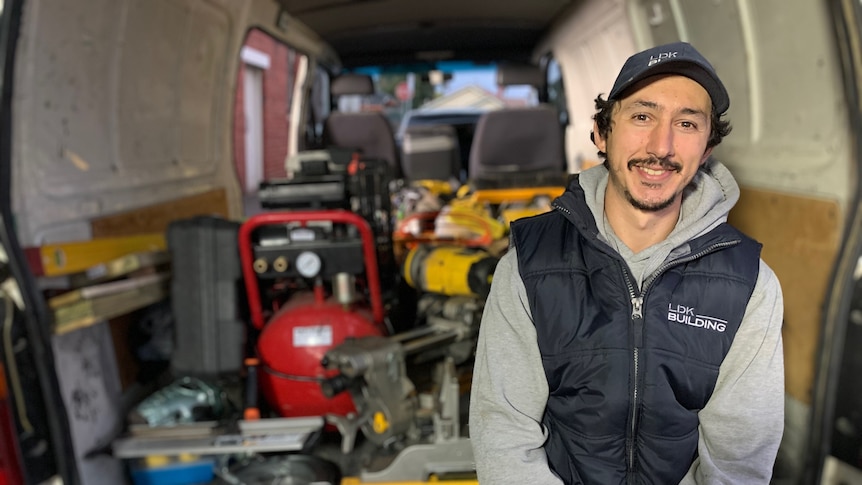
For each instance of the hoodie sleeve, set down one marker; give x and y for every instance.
(742, 424)
(509, 389)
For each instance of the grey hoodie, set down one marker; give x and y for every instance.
(741, 425)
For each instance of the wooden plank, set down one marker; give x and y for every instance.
(155, 218)
(104, 289)
(87, 312)
(122, 266)
(801, 237)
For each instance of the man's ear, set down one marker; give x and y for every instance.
(706, 155)
(598, 139)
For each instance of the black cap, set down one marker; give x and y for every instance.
(676, 58)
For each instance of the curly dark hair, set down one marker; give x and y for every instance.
(604, 109)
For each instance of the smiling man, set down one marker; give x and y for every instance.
(631, 334)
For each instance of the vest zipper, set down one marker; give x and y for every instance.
(637, 301)
(637, 319)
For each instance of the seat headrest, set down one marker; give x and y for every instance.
(351, 83)
(516, 140)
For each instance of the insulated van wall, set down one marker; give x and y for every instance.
(121, 104)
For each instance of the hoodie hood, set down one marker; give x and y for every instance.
(706, 203)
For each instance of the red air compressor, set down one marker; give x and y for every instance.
(324, 264)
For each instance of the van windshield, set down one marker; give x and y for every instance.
(444, 87)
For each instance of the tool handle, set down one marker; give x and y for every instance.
(251, 411)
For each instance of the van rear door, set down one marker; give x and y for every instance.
(34, 443)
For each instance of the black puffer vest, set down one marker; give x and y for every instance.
(628, 368)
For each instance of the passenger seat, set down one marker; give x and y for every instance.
(367, 132)
(518, 147)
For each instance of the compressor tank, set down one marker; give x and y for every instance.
(292, 344)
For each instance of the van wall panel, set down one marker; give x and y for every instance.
(790, 124)
(799, 237)
(149, 85)
(202, 79)
(590, 46)
(167, 119)
(717, 30)
(68, 113)
(121, 104)
(659, 16)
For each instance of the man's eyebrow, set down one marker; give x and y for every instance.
(643, 103)
(693, 111)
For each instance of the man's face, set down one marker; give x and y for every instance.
(656, 142)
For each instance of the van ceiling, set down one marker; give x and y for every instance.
(372, 32)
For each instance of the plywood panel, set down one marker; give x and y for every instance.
(800, 237)
(155, 218)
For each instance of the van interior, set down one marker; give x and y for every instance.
(246, 241)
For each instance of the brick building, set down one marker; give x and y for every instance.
(265, 81)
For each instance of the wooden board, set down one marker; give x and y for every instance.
(98, 291)
(155, 218)
(88, 311)
(800, 237)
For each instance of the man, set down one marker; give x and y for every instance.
(632, 335)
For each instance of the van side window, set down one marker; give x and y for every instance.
(556, 90)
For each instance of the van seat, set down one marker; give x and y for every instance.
(518, 147)
(368, 132)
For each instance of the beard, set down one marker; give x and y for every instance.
(617, 180)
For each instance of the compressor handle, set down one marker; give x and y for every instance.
(340, 216)
(251, 411)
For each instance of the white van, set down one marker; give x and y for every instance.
(118, 118)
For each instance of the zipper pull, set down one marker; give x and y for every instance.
(637, 307)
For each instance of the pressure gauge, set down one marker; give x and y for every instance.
(308, 264)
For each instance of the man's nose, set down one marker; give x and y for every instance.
(660, 143)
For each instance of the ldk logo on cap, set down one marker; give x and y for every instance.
(675, 58)
(662, 56)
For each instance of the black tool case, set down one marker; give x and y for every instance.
(207, 297)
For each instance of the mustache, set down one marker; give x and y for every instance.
(664, 163)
